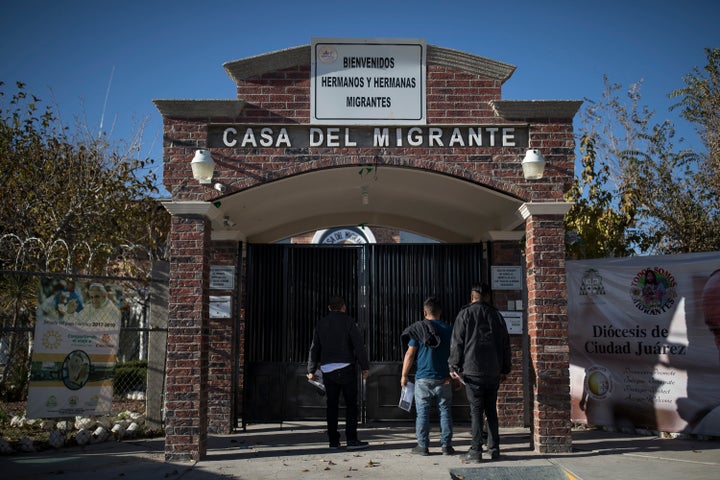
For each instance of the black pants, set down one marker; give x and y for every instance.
(343, 380)
(482, 396)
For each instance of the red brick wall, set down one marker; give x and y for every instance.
(456, 97)
(223, 349)
(453, 97)
(548, 333)
(511, 397)
(511, 400)
(186, 368)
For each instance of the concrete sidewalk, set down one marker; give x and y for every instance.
(298, 450)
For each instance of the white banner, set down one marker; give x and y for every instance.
(644, 342)
(76, 341)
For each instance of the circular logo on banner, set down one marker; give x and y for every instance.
(653, 290)
(598, 382)
(76, 370)
(52, 339)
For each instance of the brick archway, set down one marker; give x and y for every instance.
(259, 182)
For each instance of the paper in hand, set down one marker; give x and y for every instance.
(406, 396)
(319, 385)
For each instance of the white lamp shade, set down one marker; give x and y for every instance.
(203, 166)
(533, 164)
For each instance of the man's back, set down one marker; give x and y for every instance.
(481, 334)
(337, 339)
(433, 362)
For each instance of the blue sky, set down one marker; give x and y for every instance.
(108, 60)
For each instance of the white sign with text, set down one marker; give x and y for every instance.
(506, 277)
(356, 81)
(514, 322)
(222, 277)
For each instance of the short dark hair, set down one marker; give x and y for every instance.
(480, 289)
(336, 303)
(432, 305)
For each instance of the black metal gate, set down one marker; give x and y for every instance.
(384, 287)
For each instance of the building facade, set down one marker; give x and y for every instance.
(448, 169)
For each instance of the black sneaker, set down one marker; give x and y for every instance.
(418, 450)
(472, 456)
(356, 444)
(448, 450)
(495, 455)
(334, 445)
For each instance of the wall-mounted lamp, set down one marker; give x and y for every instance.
(202, 166)
(533, 164)
(227, 222)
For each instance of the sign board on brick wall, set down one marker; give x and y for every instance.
(220, 306)
(303, 136)
(506, 277)
(356, 81)
(222, 277)
(514, 322)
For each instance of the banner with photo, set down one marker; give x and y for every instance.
(645, 342)
(75, 348)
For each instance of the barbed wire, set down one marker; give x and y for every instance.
(59, 256)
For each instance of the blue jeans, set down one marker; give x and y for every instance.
(427, 389)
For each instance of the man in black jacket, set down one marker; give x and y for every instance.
(337, 346)
(480, 357)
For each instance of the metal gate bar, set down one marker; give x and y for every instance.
(384, 286)
(401, 277)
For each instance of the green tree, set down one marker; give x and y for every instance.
(597, 226)
(654, 196)
(677, 191)
(76, 186)
(73, 202)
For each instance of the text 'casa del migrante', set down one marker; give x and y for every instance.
(294, 136)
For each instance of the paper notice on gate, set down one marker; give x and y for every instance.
(406, 396)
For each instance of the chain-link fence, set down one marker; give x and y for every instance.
(138, 307)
